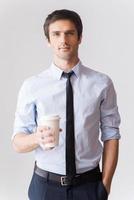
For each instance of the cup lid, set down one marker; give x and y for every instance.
(50, 117)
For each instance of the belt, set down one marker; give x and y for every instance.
(89, 176)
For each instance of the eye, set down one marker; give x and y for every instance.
(70, 33)
(56, 34)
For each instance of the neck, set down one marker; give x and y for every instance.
(66, 65)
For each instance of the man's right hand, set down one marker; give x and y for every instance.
(44, 136)
(23, 142)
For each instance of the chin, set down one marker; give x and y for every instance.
(65, 57)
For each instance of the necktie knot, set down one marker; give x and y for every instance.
(68, 75)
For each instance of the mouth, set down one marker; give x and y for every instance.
(64, 48)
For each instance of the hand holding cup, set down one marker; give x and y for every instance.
(49, 131)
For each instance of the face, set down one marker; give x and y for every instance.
(63, 38)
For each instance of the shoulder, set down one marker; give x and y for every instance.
(34, 82)
(96, 76)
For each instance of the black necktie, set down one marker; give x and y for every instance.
(70, 141)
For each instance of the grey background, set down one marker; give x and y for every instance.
(108, 46)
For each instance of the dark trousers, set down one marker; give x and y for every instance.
(41, 189)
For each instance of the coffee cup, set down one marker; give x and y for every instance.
(51, 121)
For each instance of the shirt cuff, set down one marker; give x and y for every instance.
(23, 130)
(110, 134)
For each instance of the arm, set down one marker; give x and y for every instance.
(110, 121)
(109, 161)
(24, 139)
(23, 142)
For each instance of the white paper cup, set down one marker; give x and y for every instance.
(51, 121)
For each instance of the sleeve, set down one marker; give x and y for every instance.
(109, 116)
(25, 115)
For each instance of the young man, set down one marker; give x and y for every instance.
(85, 100)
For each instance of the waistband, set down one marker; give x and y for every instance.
(89, 176)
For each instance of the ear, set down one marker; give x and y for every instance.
(48, 43)
(80, 39)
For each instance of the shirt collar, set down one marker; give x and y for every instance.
(57, 72)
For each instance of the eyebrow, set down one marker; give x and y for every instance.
(67, 31)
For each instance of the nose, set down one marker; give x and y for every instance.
(63, 38)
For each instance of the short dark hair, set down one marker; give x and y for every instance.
(63, 14)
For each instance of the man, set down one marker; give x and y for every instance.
(85, 100)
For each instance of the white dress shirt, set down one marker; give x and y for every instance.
(95, 114)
